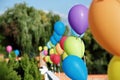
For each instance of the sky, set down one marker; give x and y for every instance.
(60, 7)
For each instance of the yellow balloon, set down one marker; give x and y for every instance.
(45, 48)
(51, 51)
(47, 58)
(64, 55)
(59, 49)
(114, 69)
(40, 48)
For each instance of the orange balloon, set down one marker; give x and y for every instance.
(59, 49)
(104, 21)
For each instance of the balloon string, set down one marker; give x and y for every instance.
(55, 69)
(52, 68)
(9, 55)
(85, 59)
(59, 70)
(79, 36)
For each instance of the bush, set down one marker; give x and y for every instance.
(7, 73)
(26, 69)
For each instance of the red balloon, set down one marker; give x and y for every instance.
(62, 41)
(52, 57)
(56, 59)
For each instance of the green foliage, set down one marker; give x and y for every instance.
(67, 32)
(2, 48)
(7, 73)
(97, 58)
(1, 38)
(26, 69)
(12, 54)
(29, 66)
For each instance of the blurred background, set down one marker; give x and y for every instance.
(26, 24)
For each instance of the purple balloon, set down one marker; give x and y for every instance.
(78, 18)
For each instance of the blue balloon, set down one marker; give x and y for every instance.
(48, 45)
(17, 52)
(75, 68)
(59, 28)
(53, 41)
(57, 37)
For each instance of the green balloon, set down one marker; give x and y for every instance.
(49, 60)
(64, 55)
(51, 44)
(74, 46)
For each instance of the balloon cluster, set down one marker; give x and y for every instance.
(59, 30)
(52, 58)
(9, 49)
(71, 48)
(104, 20)
(73, 65)
(53, 54)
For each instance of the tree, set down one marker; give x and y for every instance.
(97, 58)
(25, 28)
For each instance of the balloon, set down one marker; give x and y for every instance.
(48, 45)
(50, 61)
(104, 20)
(45, 52)
(75, 68)
(82, 35)
(64, 55)
(40, 48)
(56, 59)
(51, 51)
(73, 33)
(59, 28)
(57, 37)
(114, 68)
(62, 41)
(51, 44)
(53, 41)
(17, 52)
(78, 18)
(52, 57)
(45, 48)
(46, 58)
(9, 48)
(58, 49)
(74, 46)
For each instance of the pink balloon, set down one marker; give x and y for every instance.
(62, 41)
(45, 52)
(56, 59)
(9, 48)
